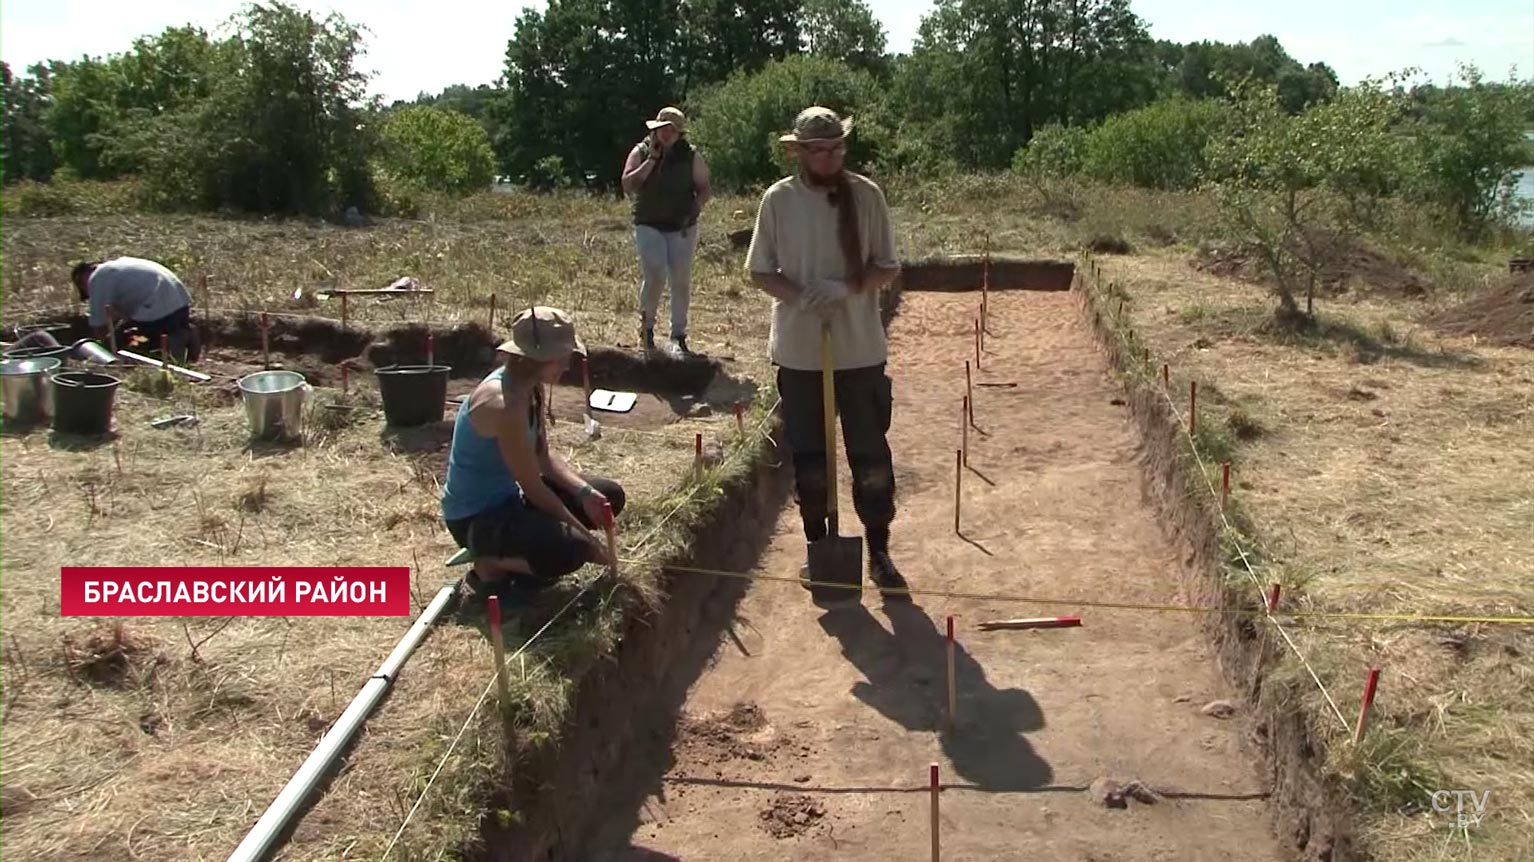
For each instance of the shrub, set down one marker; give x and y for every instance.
(1160, 146)
(437, 149)
(1055, 151)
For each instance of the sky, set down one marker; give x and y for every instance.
(420, 46)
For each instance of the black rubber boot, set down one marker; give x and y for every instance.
(892, 585)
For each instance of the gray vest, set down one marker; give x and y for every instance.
(665, 200)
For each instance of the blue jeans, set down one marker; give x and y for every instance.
(665, 255)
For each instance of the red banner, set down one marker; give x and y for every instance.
(225, 591)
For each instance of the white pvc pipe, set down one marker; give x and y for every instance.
(276, 817)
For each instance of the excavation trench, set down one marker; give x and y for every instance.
(751, 723)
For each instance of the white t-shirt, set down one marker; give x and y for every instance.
(142, 289)
(796, 235)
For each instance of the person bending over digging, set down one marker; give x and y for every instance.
(149, 299)
(823, 248)
(525, 516)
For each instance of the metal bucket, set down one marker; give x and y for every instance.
(61, 353)
(25, 390)
(274, 403)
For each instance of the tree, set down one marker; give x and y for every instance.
(1470, 139)
(845, 31)
(26, 151)
(738, 122)
(436, 149)
(1290, 185)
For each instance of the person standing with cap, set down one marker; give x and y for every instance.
(669, 182)
(823, 248)
(525, 515)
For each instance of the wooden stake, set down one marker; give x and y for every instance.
(697, 450)
(977, 345)
(431, 349)
(1224, 484)
(345, 379)
(964, 426)
(1370, 685)
(1166, 377)
(958, 482)
(266, 351)
(1273, 598)
(932, 778)
(740, 417)
(343, 311)
(1193, 407)
(953, 684)
(969, 391)
(491, 324)
(499, 644)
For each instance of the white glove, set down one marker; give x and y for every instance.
(822, 295)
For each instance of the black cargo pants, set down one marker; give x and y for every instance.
(864, 398)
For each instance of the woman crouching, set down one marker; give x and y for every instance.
(525, 516)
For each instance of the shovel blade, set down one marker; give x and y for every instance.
(836, 568)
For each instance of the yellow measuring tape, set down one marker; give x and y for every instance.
(1118, 606)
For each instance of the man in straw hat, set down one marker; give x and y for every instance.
(669, 182)
(525, 515)
(823, 248)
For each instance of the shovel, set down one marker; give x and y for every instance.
(835, 559)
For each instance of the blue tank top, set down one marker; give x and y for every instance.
(478, 478)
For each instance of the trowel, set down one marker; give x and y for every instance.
(835, 561)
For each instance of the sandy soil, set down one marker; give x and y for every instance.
(810, 734)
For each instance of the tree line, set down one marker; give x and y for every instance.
(275, 118)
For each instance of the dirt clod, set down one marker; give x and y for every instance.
(112, 657)
(740, 734)
(1218, 709)
(788, 816)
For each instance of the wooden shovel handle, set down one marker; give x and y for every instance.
(828, 394)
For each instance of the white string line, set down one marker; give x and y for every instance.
(1252, 573)
(479, 704)
(474, 712)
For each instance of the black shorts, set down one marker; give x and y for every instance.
(176, 327)
(519, 530)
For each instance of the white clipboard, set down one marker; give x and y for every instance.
(612, 402)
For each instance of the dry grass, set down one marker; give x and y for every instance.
(163, 740)
(1392, 473)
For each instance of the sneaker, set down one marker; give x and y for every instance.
(892, 585)
(647, 338)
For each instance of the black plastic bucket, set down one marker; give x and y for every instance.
(413, 394)
(82, 402)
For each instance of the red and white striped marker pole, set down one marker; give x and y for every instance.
(266, 350)
(953, 683)
(1273, 598)
(610, 524)
(503, 688)
(932, 779)
(1032, 623)
(1370, 686)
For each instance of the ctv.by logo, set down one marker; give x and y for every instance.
(1446, 801)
